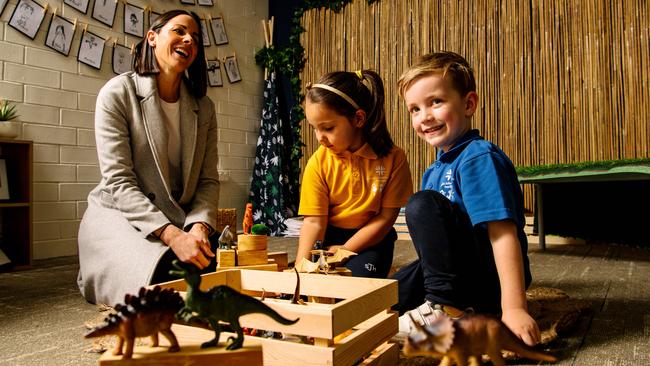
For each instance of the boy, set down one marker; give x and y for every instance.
(467, 222)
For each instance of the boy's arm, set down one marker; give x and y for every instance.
(313, 228)
(373, 231)
(507, 255)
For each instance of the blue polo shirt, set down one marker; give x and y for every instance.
(480, 180)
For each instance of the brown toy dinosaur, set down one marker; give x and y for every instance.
(468, 337)
(247, 224)
(147, 314)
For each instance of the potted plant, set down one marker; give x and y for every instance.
(8, 112)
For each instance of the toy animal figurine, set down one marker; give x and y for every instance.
(226, 239)
(147, 314)
(247, 224)
(468, 337)
(220, 303)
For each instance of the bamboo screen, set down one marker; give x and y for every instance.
(558, 81)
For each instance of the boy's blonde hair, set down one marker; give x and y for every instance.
(448, 64)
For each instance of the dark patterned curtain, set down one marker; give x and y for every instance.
(266, 193)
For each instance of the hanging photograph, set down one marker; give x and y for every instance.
(152, 17)
(60, 34)
(122, 59)
(81, 5)
(204, 33)
(27, 17)
(219, 31)
(3, 3)
(104, 11)
(214, 73)
(91, 49)
(133, 20)
(232, 70)
(4, 183)
(187, 2)
(205, 2)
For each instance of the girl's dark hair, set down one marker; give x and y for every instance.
(367, 91)
(144, 60)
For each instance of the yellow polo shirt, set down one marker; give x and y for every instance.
(351, 188)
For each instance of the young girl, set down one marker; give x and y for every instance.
(355, 183)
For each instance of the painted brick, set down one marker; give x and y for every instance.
(55, 248)
(226, 135)
(11, 52)
(237, 96)
(54, 173)
(81, 84)
(46, 153)
(49, 211)
(242, 150)
(242, 124)
(87, 102)
(69, 229)
(32, 75)
(231, 109)
(241, 176)
(51, 97)
(88, 173)
(81, 208)
(44, 192)
(39, 114)
(251, 138)
(83, 155)
(75, 118)
(50, 135)
(85, 137)
(227, 162)
(11, 91)
(75, 191)
(49, 59)
(46, 231)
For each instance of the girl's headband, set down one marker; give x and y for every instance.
(337, 92)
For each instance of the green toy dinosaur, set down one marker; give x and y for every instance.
(220, 303)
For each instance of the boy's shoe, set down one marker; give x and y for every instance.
(424, 315)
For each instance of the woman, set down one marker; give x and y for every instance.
(156, 135)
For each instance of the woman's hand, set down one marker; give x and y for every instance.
(188, 247)
(522, 324)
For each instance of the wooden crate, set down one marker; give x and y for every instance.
(362, 313)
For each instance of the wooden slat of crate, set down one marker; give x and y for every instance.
(348, 352)
(385, 355)
(190, 339)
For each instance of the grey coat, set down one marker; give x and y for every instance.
(117, 251)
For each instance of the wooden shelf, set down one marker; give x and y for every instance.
(16, 212)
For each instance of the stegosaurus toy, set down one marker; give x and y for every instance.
(220, 303)
(147, 314)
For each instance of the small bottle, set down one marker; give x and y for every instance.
(318, 245)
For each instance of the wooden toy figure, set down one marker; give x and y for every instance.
(247, 225)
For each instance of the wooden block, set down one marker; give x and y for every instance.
(281, 258)
(252, 242)
(191, 353)
(385, 355)
(226, 257)
(250, 257)
(258, 267)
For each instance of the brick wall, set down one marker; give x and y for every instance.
(56, 99)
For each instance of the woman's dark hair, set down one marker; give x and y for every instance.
(366, 89)
(144, 60)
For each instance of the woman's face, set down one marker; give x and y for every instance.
(176, 44)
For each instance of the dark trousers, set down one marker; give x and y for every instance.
(373, 262)
(161, 273)
(456, 264)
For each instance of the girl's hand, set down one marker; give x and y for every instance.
(522, 324)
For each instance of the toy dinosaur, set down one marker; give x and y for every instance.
(226, 239)
(247, 224)
(147, 314)
(468, 337)
(220, 303)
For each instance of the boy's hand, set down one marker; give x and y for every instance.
(522, 324)
(333, 248)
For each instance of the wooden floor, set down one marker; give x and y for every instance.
(42, 314)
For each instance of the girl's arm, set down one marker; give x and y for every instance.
(373, 231)
(313, 228)
(507, 255)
